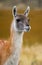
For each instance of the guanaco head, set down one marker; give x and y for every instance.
(21, 22)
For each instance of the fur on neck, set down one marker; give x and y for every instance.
(16, 38)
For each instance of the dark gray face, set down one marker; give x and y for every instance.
(22, 23)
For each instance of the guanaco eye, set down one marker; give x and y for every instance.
(18, 20)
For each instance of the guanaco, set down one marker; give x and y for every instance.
(10, 49)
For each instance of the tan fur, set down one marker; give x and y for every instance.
(5, 49)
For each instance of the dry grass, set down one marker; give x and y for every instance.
(31, 55)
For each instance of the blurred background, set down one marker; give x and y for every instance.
(32, 42)
(35, 35)
(10, 3)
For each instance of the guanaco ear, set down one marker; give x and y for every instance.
(14, 11)
(27, 11)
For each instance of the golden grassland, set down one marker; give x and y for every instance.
(32, 42)
(31, 55)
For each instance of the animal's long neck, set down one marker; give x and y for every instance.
(16, 41)
(16, 38)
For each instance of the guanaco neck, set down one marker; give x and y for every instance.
(16, 44)
(16, 38)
